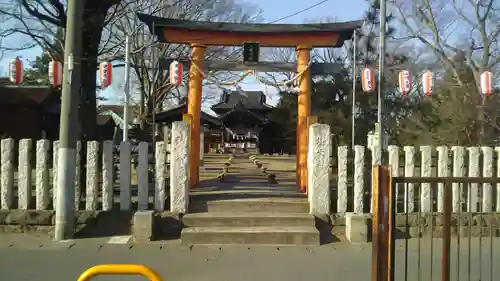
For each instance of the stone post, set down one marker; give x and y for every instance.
(458, 171)
(473, 191)
(342, 179)
(142, 177)
(92, 186)
(42, 174)
(409, 172)
(487, 173)
(393, 151)
(55, 160)
(426, 171)
(24, 174)
(7, 174)
(359, 179)
(125, 176)
(77, 175)
(179, 168)
(107, 176)
(319, 154)
(442, 171)
(160, 170)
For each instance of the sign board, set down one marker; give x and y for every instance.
(251, 52)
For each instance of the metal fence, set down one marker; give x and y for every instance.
(446, 246)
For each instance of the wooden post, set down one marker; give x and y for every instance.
(383, 203)
(194, 109)
(304, 110)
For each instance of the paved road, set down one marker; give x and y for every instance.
(28, 258)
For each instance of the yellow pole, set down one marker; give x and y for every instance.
(304, 110)
(194, 110)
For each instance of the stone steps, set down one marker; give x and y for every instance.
(270, 205)
(264, 235)
(256, 221)
(248, 219)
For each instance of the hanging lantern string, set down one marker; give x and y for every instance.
(209, 76)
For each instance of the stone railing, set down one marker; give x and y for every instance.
(349, 176)
(116, 176)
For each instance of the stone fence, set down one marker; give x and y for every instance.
(343, 187)
(29, 170)
(350, 183)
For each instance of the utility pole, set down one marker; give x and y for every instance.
(126, 89)
(69, 122)
(354, 75)
(381, 65)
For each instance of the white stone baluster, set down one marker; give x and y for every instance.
(359, 180)
(7, 174)
(342, 152)
(160, 179)
(179, 168)
(487, 191)
(107, 176)
(442, 171)
(125, 176)
(92, 176)
(42, 174)
(473, 195)
(142, 177)
(409, 172)
(318, 163)
(393, 151)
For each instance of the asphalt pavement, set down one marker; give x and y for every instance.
(25, 257)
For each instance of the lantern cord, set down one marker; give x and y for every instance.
(261, 79)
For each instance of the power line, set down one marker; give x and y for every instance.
(299, 12)
(289, 16)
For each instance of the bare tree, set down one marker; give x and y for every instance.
(464, 37)
(146, 53)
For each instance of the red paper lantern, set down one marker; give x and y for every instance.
(105, 74)
(175, 73)
(16, 71)
(55, 73)
(368, 80)
(405, 82)
(428, 82)
(486, 84)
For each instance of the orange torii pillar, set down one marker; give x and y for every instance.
(303, 112)
(194, 110)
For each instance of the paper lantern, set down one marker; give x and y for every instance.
(486, 85)
(16, 71)
(105, 74)
(368, 80)
(55, 73)
(428, 82)
(175, 73)
(405, 83)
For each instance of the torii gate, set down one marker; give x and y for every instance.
(199, 34)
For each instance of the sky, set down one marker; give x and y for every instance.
(272, 10)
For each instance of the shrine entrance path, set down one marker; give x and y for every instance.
(245, 180)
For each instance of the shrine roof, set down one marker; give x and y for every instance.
(175, 114)
(252, 100)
